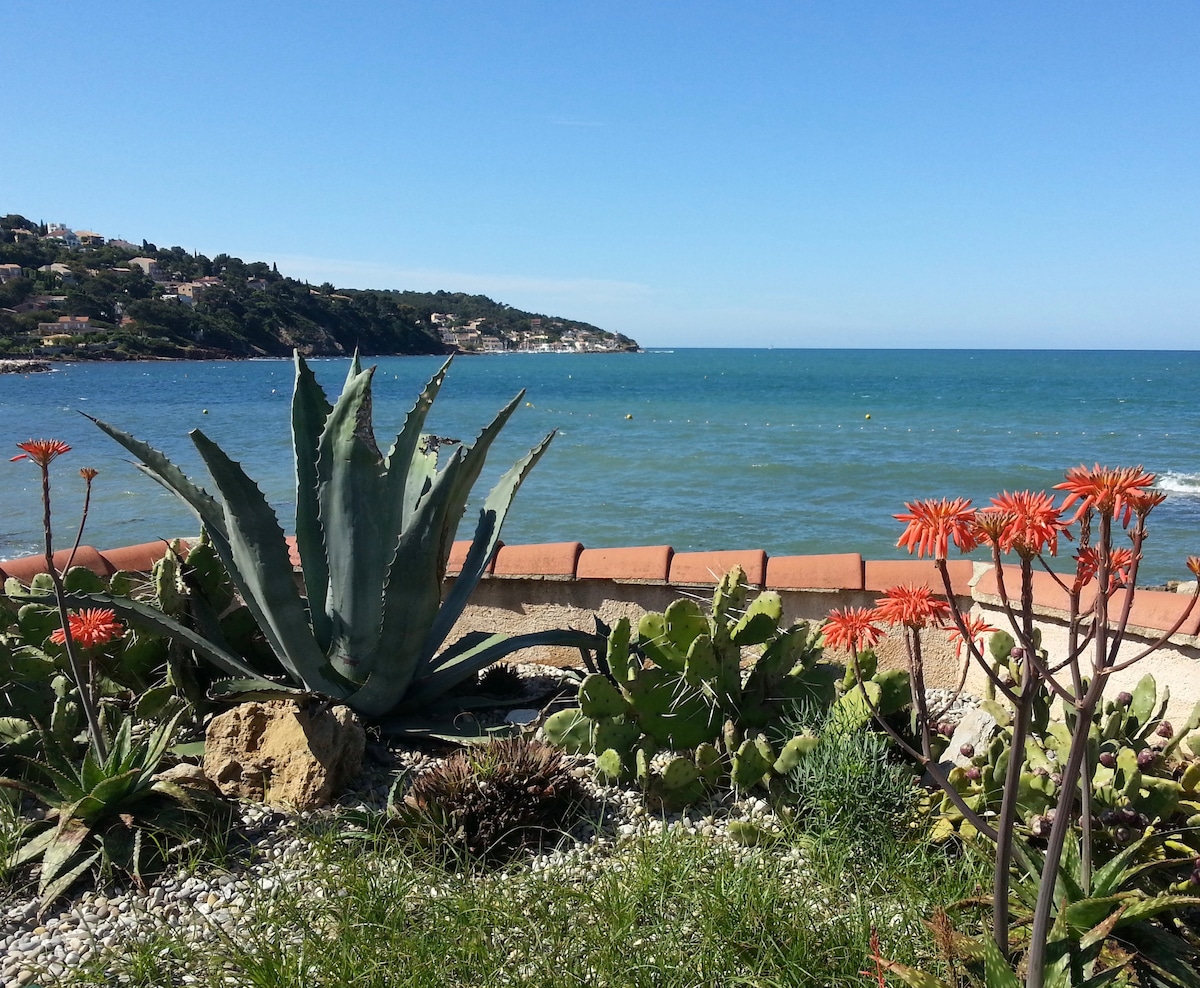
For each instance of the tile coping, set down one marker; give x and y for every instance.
(662, 565)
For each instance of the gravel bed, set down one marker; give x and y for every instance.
(269, 851)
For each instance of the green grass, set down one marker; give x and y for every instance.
(11, 827)
(670, 910)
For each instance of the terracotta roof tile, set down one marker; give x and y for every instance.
(137, 558)
(880, 574)
(643, 563)
(707, 568)
(842, 571)
(458, 556)
(27, 567)
(553, 559)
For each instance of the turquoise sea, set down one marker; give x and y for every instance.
(792, 451)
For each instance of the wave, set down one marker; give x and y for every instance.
(1179, 483)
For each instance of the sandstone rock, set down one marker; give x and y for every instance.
(975, 729)
(284, 754)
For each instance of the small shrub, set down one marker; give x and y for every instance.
(492, 802)
(849, 782)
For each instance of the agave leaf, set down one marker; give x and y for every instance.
(156, 466)
(255, 688)
(478, 649)
(1099, 979)
(412, 596)
(351, 490)
(483, 545)
(410, 469)
(310, 409)
(59, 770)
(261, 569)
(138, 613)
(411, 607)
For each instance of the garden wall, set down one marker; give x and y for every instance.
(564, 584)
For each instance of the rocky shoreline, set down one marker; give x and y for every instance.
(8, 366)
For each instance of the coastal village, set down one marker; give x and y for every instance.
(75, 294)
(476, 336)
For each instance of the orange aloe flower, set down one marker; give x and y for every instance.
(91, 626)
(1113, 491)
(976, 627)
(1087, 565)
(1031, 522)
(1145, 502)
(911, 606)
(989, 526)
(41, 451)
(1193, 564)
(933, 525)
(851, 629)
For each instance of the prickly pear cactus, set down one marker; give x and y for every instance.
(684, 682)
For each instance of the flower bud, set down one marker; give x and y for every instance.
(1196, 877)
(946, 728)
(1124, 699)
(974, 774)
(1122, 835)
(1165, 730)
(1017, 653)
(1040, 826)
(1146, 758)
(1108, 759)
(967, 751)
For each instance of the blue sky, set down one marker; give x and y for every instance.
(890, 173)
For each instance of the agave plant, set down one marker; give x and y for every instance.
(373, 532)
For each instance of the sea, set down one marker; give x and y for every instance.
(795, 451)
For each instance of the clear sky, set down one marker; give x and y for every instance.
(888, 173)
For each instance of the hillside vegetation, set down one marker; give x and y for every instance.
(124, 301)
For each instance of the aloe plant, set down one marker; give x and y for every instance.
(374, 533)
(114, 810)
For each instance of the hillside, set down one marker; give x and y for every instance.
(74, 295)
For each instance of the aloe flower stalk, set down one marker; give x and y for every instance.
(43, 452)
(1029, 524)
